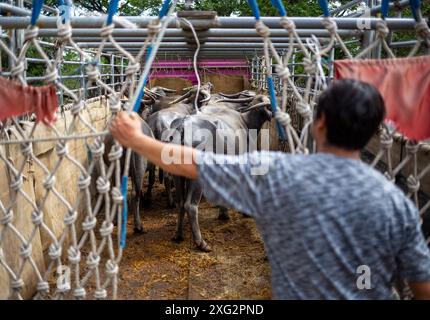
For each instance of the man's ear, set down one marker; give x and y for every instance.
(319, 130)
(320, 124)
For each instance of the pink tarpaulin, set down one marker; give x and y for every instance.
(405, 85)
(185, 70)
(16, 99)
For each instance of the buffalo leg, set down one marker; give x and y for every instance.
(137, 173)
(151, 180)
(180, 199)
(194, 196)
(168, 183)
(223, 214)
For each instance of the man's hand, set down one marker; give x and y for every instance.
(126, 128)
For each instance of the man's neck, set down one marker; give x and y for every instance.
(350, 154)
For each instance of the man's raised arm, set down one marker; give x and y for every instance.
(175, 159)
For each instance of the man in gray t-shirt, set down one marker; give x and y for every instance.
(333, 227)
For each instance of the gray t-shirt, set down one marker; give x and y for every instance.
(322, 217)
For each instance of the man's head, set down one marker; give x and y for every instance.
(348, 114)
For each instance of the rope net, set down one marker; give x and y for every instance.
(84, 252)
(299, 96)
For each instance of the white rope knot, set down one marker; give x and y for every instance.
(17, 284)
(288, 24)
(386, 140)
(26, 149)
(74, 255)
(93, 72)
(382, 30)
(97, 148)
(117, 197)
(132, 68)
(283, 118)
(111, 268)
(17, 69)
(302, 150)
(103, 185)
(31, 33)
(309, 66)
(79, 293)
(51, 74)
(93, 260)
(106, 229)
(54, 251)
(61, 149)
(154, 28)
(43, 286)
(17, 183)
(262, 29)
(389, 177)
(100, 294)
(89, 223)
(25, 251)
(106, 31)
(77, 107)
(413, 184)
(62, 287)
(422, 29)
(71, 217)
(330, 25)
(49, 183)
(114, 104)
(37, 217)
(64, 32)
(283, 72)
(115, 153)
(304, 109)
(7, 218)
(84, 182)
(412, 147)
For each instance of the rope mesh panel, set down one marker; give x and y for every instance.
(85, 255)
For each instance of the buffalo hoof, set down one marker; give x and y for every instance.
(204, 247)
(247, 216)
(139, 230)
(147, 202)
(223, 217)
(171, 205)
(178, 238)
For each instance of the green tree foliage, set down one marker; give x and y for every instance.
(224, 8)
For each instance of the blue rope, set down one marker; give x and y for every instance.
(65, 6)
(35, 12)
(385, 6)
(280, 7)
(324, 6)
(164, 8)
(124, 187)
(124, 183)
(112, 9)
(272, 92)
(255, 10)
(415, 6)
(142, 93)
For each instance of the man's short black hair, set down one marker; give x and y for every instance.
(353, 111)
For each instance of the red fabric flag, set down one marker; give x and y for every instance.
(404, 84)
(16, 99)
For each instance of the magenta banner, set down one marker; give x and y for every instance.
(184, 69)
